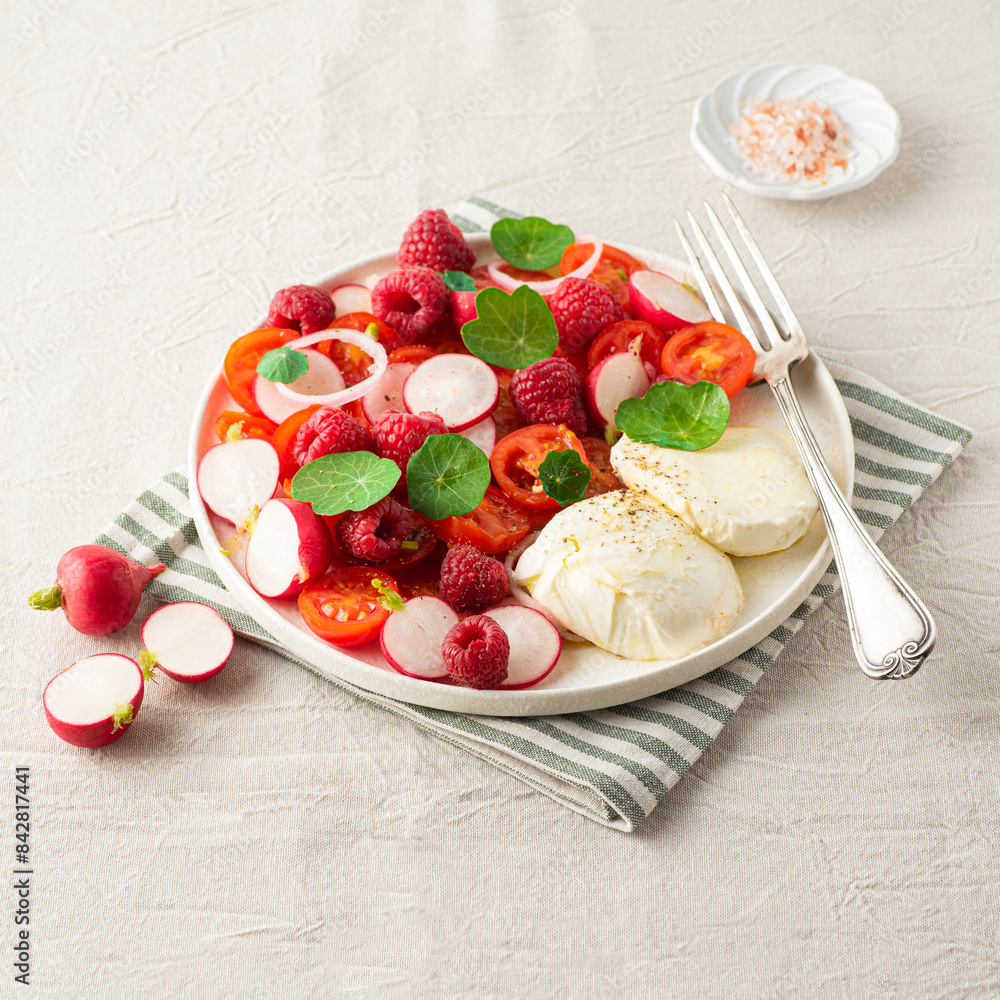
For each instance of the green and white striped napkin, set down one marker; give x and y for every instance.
(616, 764)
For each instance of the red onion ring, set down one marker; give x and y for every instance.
(369, 345)
(508, 284)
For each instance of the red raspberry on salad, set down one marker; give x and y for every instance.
(377, 532)
(582, 308)
(550, 392)
(411, 300)
(476, 652)
(330, 430)
(398, 435)
(433, 240)
(471, 581)
(303, 308)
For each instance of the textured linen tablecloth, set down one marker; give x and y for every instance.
(269, 835)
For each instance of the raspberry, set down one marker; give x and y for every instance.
(411, 300)
(433, 240)
(329, 430)
(375, 533)
(471, 581)
(476, 652)
(302, 308)
(582, 309)
(550, 392)
(398, 435)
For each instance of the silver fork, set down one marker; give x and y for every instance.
(891, 630)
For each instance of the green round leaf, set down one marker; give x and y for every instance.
(458, 281)
(282, 365)
(352, 480)
(448, 475)
(690, 417)
(531, 243)
(564, 476)
(512, 331)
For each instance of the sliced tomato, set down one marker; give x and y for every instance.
(253, 427)
(342, 605)
(505, 413)
(424, 578)
(710, 352)
(414, 353)
(619, 337)
(496, 525)
(242, 358)
(516, 458)
(578, 361)
(602, 475)
(284, 439)
(352, 361)
(612, 269)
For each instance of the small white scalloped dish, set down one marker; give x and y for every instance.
(872, 122)
(586, 677)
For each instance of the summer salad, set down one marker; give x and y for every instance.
(470, 462)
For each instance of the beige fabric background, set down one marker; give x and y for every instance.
(166, 167)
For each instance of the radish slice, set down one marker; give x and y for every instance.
(387, 392)
(322, 378)
(92, 702)
(534, 645)
(523, 597)
(463, 307)
(459, 388)
(618, 376)
(506, 282)
(351, 299)
(665, 303)
(483, 435)
(187, 640)
(411, 639)
(236, 477)
(369, 345)
(290, 546)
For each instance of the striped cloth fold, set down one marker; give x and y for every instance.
(616, 764)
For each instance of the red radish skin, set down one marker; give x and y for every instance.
(411, 639)
(459, 388)
(535, 645)
(290, 546)
(618, 376)
(187, 640)
(351, 298)
(94, 701)
(667, 304)
(97, 588)
(236, 478)
(463, 308)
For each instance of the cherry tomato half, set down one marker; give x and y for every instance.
(284, 439)
(516, 458)
(710, 352)
(612, 269)
(253, 427)
(619, 336)
(496, 525)
(352, 361)
(242, 358)
(602, 475)
(414, 353)
(342, 605)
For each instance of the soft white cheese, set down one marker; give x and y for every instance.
(747, 494)
(623, 572)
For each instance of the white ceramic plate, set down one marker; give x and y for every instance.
(585, 677)
(873, 124)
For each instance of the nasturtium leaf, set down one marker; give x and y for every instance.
(690, 417)
(531, 243)
(511, 331)
(448, 475)
(458, 281)
(564, 476)
(282, 365)
(351, 480)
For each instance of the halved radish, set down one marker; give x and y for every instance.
(387, 392)
(322, 377)
(93, 701)
(459, 388)
(411, 639)
(351, 298)
(665, 303)
(534, 644)
(483, 435)
(463, 307)
(618, 376)
(236, 478)
(187, 640)
(290, 546)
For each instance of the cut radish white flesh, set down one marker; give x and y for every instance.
(411, 639)
(483, 435)
(387, 392)
(665, 303)
(236, 476)
(322, 378)
(351, 299)
(188, 640)
(618, 376)
(93, 702)
(290, 546)
(459, 388)
(534, 645)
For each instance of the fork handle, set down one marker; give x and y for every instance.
(891, 630)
